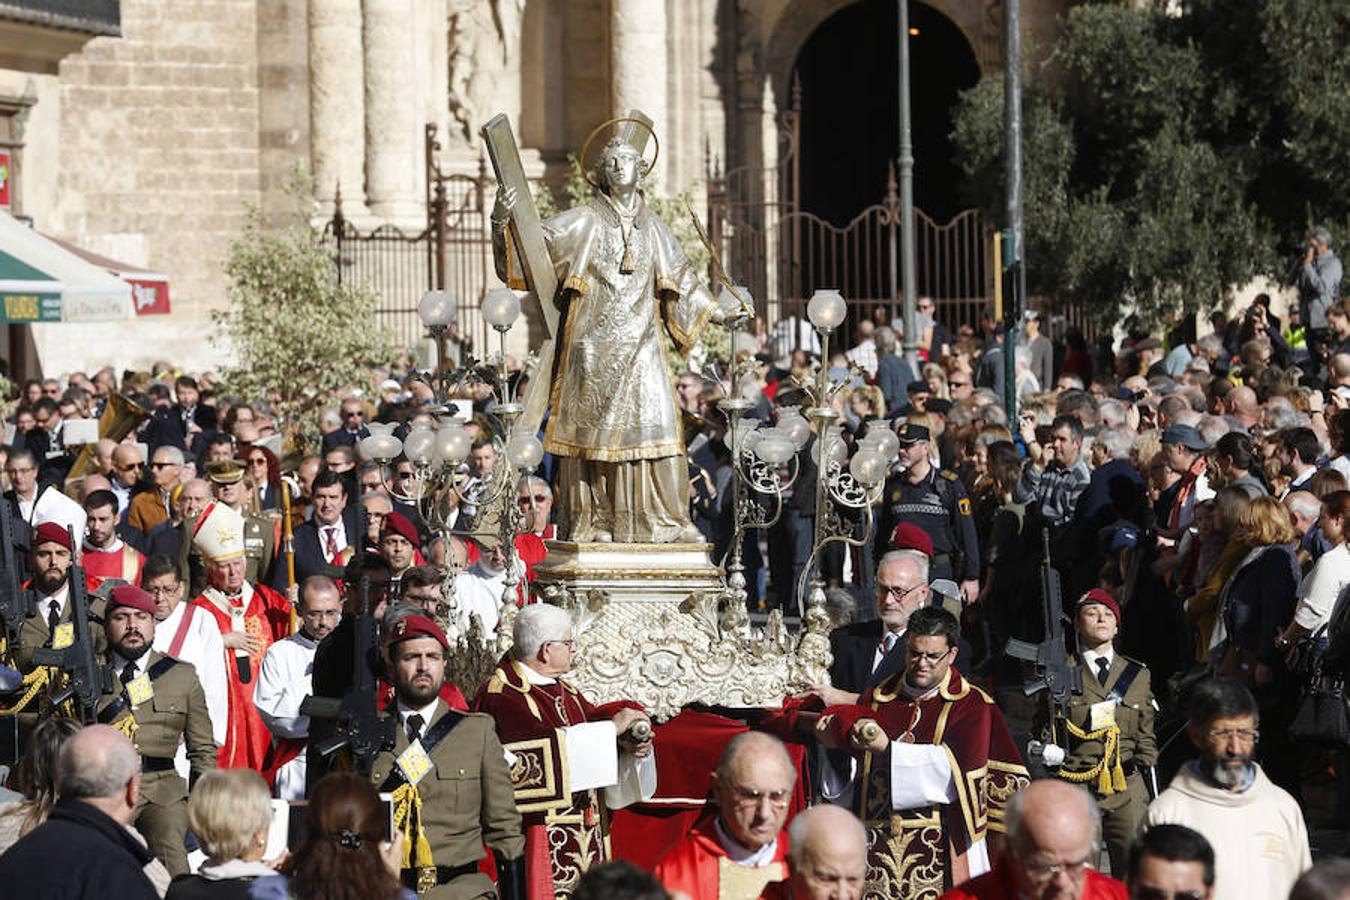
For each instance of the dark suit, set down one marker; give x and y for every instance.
(168, 427)
(53, 459)
(854, 647)
(165, 539)
(309, 559)
(344, 437)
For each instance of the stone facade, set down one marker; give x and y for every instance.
(148, 146)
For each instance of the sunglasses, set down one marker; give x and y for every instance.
(162, 465)
(537, 498)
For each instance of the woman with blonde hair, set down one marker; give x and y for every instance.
(229, 810)
(1256, 604)
(936, 377)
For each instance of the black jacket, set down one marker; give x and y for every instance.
(166, 427)
(78, 852)
(854, 647)
(195, 887)
(308, 552)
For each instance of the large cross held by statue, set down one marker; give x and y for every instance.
(527, 236)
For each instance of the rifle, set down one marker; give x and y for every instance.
(1050, 658)
(86, 680)
(15, 603)
(355, 714)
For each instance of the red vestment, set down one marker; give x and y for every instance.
(263, 612)
(697, 866)
(566, 831)
(124, 562)
(932, 840)
(1001, 884)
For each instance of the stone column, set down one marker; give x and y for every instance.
(394, 164)
(637, 42)
(337, 104)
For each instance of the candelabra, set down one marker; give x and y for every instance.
(759, 455)
(843, 486)
(438, 452)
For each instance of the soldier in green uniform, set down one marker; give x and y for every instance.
(447, 771)
(1110, 747)
(227, 483)
(158, 703)
(48, 623)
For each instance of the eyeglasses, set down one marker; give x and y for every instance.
(129, 468)
(747, 798)
(353, 414)
(571, 644)
(927, 657)
(1245, 735)
(163, 465)
(537, 499)
(1152, 893)
(896, 591)
(1043, 872)
(163, 590)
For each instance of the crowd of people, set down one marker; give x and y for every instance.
(1161, 528)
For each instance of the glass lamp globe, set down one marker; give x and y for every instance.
(886, 444)
(452, 444)
(728, 303)
(867, 467)
(774, 448)
(420, 445)
(826, 310)
(524, 451)
(794, 427)
(501, 308)
(436, 309)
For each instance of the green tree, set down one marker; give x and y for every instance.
(296, 335)
(1172, 157)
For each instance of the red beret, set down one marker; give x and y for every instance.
(52, 533)
(908, 536)
(132, 596)
(1098, 595)
(416, 627)
(397, 523)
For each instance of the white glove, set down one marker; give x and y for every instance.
(1051, 755)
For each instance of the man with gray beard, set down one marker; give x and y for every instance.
(1257, 830)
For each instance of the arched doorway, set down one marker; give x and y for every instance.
(848, 72)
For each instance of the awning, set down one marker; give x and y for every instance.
(149, 290)
(42, 281)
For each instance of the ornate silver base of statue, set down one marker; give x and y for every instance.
(654, 623)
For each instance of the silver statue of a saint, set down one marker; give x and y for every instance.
(613, 421)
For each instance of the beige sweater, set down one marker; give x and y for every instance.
(1260, 841)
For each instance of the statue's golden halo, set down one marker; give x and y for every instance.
(585, 148)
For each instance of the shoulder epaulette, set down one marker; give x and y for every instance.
(947, 474)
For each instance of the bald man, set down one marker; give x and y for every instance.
(1241, 404)
(1054, 837)
(744, 841)
(85, 849)
(828, 859)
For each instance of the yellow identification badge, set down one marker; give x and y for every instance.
(1101, 715)
(414, 763)
(63, 636)
(139, 690)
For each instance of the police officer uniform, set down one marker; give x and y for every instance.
(464, 801)
(1120, 709)
(938, 504)
(160, 702)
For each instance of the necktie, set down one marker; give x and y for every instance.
(888, 642)
(53, 615)
(1103, 669)
(414, 726)
(332, 541)
(128, 673)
